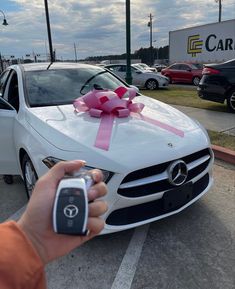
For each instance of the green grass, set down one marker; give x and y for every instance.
(222, 139)
(183, 96)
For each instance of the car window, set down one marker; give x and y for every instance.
(4, 105)
(3, 79)
(175, 66)
(11, 93)
(197, 65)
(62, 86)
(184, 67)
(122, 68)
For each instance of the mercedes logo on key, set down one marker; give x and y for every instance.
(71, 211)
(177, 173)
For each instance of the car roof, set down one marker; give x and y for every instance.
(55, 65)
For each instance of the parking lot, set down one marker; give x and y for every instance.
(194, 249)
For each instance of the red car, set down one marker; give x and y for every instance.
(184, 72)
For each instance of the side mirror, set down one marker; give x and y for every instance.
(135, 88)
(138, 72)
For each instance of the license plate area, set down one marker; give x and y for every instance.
(178, 197)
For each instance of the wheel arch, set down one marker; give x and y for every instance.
(151, 79)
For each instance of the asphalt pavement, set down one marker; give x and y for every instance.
(190, 250)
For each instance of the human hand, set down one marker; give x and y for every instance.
(36, 222)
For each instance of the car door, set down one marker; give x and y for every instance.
(174, 72)
(8, 114)
(185, 73)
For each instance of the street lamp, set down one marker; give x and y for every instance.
(4, 19)
(5, 24)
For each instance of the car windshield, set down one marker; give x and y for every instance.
(63, 86)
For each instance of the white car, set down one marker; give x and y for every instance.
(158, 162)
(144, 66)
(140, 77)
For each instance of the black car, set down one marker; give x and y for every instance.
(218, 83)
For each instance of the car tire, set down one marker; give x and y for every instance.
(151, 84)
(231, 101)
(196, 80)
(29, 174)
(8, 179)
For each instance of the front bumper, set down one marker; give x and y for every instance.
(140, 205)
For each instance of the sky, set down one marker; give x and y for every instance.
(98, 27)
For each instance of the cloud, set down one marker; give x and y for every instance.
(98, 27)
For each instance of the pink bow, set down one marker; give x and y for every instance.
(107, 105)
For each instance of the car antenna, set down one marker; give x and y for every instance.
(49, 65)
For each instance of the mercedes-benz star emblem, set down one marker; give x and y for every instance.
(71, 211)
(177, 173)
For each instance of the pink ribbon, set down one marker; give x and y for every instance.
(107, 104)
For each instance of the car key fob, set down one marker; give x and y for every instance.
(70, 211)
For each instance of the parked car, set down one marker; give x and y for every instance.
(140, 78)
(158, 162)
(144, 67)
(218, 83)
(183, 72)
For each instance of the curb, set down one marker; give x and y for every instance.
(224, 154)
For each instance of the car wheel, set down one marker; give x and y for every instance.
(29, 175)
(151, 84)
(231, 101)
(8, 179)
(196, 80)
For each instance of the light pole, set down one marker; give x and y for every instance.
(150, 25)
(220, 8)
(5, 24)
(49, 31)
(75, 52)
(128, 43)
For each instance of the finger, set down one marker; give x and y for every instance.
(95, 226)
(97, 208)
(97, 191)
(57, 172)
(97, 175)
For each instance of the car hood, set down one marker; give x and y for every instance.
(131, 137)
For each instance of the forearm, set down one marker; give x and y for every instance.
(20, 264)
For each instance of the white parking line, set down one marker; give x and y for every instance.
(126, 272)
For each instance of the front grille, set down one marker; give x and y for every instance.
(154, 179)
(142, 212)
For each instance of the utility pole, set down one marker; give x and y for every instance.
(52, 56)
(128, 43)
(150, 25)
(75, 52)
(220, 8)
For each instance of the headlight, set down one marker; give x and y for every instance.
(202, 128)
(51, 161)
